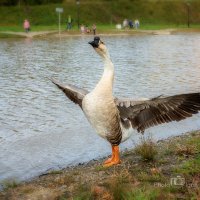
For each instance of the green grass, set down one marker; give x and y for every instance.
(55, 172)
(9, 184)
(142, 194)
(190, 147)
(101, 28)
(4, 35)
(143, 176)
(195, 142)
(84, 193)
(155, 14)
(190, 167)
(100, 168)
(168, 26)
(33, 28)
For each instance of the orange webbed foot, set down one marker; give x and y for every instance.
(108, 160)
(115, 159)
(112, 163)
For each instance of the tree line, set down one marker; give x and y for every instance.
(27, 2)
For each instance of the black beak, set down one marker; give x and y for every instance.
(95, 43)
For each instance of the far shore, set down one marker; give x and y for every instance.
(112, 32)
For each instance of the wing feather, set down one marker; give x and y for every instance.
(147, 113)
(74, 93)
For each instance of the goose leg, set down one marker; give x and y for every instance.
(115, 159)
(111, 158)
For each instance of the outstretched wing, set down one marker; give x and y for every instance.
(148, 113)
(74, 93)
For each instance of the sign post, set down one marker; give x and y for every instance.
(59, 11)
(78, 12)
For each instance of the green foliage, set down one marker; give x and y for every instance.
(27, 2)
(101, 12)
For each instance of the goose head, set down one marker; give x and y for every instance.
(99, 47)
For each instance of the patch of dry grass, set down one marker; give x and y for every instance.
(185, 150)
(146, 149)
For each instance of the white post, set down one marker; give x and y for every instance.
(59, 11)
(59, 23)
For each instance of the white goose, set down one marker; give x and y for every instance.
(113, 118)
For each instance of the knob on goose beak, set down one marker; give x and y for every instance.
(95, 43)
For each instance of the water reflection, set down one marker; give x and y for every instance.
(40, 129)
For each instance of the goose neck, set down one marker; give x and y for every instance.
(108, 65)
(106, 81)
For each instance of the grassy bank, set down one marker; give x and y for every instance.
(169, 169)
(101, 28)
(4, 35)
(152, 14)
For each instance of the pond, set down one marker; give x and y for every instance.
(40, 129)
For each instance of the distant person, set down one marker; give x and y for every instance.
(94, 27)
(125, 23)
(87, 29)
(69, 23)
(82, 29)
(137, 23)
(130, 23)
(26, 25)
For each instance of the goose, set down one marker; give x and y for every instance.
(115, 119)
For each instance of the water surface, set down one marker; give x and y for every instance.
(40, 129)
